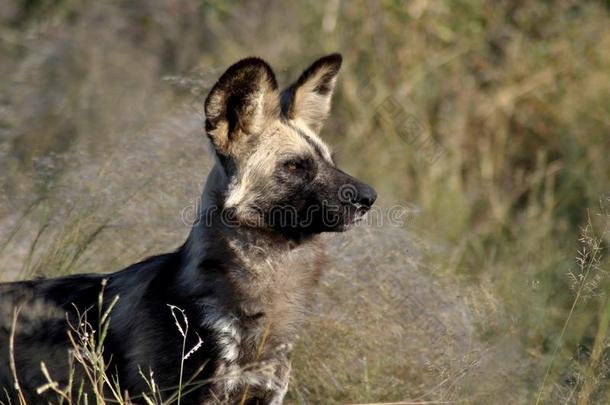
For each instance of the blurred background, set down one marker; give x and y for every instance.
(488, 120)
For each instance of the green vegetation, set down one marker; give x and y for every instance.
(490, 119)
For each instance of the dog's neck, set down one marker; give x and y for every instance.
(248, 272)
(214, 239)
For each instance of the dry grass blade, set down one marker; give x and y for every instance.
(13, 366)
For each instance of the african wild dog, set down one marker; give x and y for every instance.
(243, 277)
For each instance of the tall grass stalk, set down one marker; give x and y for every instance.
(183, 330)
(588, 259)
(598, 345)
(12, 356)
(88, 354)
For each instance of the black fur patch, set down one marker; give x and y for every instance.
(142, 330)
(240, 80)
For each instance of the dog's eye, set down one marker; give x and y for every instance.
(300, 166)
(293, 165)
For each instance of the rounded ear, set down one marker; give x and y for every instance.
(308, 99)
(240, 104)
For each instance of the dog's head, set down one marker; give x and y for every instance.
(282, 176)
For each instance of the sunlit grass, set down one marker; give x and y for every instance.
(100, 156)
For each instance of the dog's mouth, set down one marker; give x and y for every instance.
(360, 212)
(352, 215)
(358, 216)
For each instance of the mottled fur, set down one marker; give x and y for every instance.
(243, 277)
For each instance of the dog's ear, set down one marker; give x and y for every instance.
(307, 100)
(239, 105)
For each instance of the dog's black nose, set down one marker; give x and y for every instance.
(366, 196)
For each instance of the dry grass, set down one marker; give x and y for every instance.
(488, 119)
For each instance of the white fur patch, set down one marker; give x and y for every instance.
(228, 339)
(230, 375)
